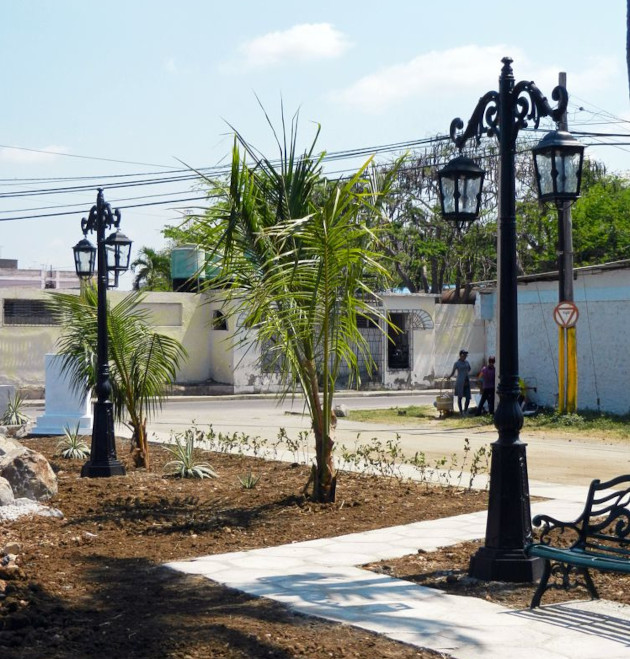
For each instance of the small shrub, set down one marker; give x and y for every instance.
(250, 481)
(73, 445)
(13, 415)
(186, 463)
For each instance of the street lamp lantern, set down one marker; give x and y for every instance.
(501, 114)
(112, 255)
(460, 182)
(117, 254)
(558, 165)
(84, 258)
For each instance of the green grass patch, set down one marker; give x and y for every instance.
(585, 423)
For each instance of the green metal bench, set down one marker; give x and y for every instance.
(598, 539)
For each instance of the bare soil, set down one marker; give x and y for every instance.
(92, 584)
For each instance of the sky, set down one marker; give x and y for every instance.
(99, 93)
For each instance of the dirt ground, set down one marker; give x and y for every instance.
(92, 584)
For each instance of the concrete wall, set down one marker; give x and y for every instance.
(183, 316)
(438, 332)
(603, 301)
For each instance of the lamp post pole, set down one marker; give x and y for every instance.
(103, 461)
(508, 529)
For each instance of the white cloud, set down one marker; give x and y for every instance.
(305, 42)
(24, 156)
(599, 74)
(445, 73)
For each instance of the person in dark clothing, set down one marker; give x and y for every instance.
(462, 382)
(487, 376)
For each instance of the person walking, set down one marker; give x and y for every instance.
(487, 376)
(462, 383)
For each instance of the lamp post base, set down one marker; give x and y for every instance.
(509, 526)
(103, 461)
(514, 566)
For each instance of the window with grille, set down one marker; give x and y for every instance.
(27, 312)
(367, 321)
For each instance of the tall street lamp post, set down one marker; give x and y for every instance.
(112, 257)
(502, 114)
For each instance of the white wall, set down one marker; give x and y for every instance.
(603, 338)
(184, 316)
(436, 346)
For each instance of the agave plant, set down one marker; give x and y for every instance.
(13, 415)
(250, 481)
(186, 463)
(73, 445)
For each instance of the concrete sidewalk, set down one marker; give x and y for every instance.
(322, 578)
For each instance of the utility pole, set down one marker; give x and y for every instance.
(567, 338)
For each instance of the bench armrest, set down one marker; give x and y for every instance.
(549, 524)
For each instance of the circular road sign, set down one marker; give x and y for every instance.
(566, 314)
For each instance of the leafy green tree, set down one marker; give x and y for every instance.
(601, 222)
(152, 270)
(142, 362)
(299, 261)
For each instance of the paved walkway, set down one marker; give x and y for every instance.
(321, 578)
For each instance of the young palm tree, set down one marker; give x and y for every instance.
(152, 270)
(142, 362)
(297, 257)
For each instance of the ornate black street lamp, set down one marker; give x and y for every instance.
(460, 183)
(112, 257)
(502, 114)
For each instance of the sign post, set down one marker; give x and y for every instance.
(566, 315)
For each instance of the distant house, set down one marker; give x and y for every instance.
(43, 278)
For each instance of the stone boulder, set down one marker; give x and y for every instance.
(8, 444)
(340, 410)
(28, 473)
(6, 492)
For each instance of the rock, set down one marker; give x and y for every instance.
(6, 492)
(340, 410)
(11, 548)
(29, 474)
(18, 431)
(23, 506)
(8, 444)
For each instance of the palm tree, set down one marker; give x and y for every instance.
(142, 362)
(152, 270)
(297, 256)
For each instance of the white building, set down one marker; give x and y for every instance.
(430, 337)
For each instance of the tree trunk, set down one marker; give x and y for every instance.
(323, 474)
(139, 445)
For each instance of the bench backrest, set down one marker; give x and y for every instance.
(604, 526)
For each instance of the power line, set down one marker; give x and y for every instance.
(74, 155)
(177, 176)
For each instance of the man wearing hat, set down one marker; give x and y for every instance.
(462, 383)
